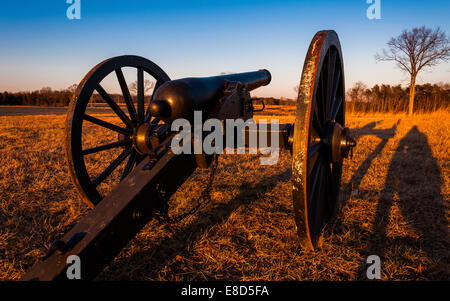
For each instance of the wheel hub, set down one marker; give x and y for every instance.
(141, 138)
(339, 141)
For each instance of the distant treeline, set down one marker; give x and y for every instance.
(47, 97)
(274, 101)
(44, 97)
(386, 98)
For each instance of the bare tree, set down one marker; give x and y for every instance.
(148, 85)
(72, 88)
(45, 90)
(356, 93)
(414, 50)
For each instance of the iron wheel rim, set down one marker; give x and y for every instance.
(321, 100)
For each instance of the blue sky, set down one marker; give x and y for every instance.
(40, 47)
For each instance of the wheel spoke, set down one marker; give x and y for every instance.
(331, 68)
(336, 81)
(316, 193)
(140, 94)
(330, 79)
(105, 147)
(157, 85)
(320, 204)
(126, 95)
(129, 165)
(314, 149)
(323, 101)
(329, 183)
(114, 164)
(320, 196)
(114, 106)
(316, 120)
(327, 171)
(333, 100)
(336, 106)
(312, 162)
(107, 125)
(314, 177)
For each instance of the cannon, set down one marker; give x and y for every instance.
(151, 171)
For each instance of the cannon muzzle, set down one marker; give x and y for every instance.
(180, 98)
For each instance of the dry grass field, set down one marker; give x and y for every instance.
(394, 203)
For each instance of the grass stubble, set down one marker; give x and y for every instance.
(394, 203)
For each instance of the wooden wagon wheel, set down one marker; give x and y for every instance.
(321, 140)
(124, 134)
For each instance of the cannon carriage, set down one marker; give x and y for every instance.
(151, 171)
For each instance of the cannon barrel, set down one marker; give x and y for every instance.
(180, 98)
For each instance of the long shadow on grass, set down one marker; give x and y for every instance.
(413, 182)
(159, 255)
(358, 175)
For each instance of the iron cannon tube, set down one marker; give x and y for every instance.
(180, 98)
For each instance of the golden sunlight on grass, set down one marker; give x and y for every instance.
(394, 203)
